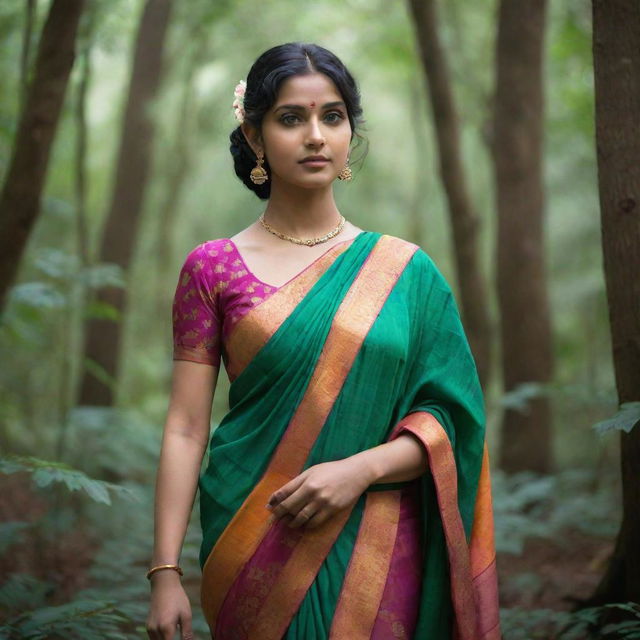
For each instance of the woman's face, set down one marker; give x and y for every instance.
(309, 117)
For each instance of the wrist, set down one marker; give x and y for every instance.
(162, 568)
(164, 578)
(370, 468)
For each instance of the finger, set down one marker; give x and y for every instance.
(303, 516)
(317, 519)
(167, 631)
(151, 631)
(186, 632)
(286, 490)
(292, 505)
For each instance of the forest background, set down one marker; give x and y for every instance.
(85, 339)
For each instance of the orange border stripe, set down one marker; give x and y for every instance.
(366, 576)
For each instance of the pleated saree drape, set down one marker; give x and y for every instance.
(363, 345)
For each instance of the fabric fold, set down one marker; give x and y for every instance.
(372, 348)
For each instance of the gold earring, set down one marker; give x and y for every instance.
(345, 173)
(259, 174)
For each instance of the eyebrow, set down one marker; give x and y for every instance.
(299, 107)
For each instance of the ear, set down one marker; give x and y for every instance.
(253, 138)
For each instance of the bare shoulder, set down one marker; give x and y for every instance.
(248, 236)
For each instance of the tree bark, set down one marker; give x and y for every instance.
(464, 219)
(22, 189)
(25, 57)
(417, 222)
(616, 57)
(103, 336)
(525, 332)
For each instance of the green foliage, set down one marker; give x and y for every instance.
(533, 505)
(87, 619)
(114, 440)
(518, 398)
(9, 533)
(44, 473)
(624, 420)
(584, 624)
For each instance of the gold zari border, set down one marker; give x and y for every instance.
(366, 575)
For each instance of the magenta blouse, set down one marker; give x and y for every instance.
(215, 289)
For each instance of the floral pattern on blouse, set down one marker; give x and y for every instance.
(215, 289)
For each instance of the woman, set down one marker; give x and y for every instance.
(347, 491)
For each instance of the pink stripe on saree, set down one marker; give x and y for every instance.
(472, 566)
(380, 595)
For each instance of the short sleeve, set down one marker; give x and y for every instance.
(196, 318)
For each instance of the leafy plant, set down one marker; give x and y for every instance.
(45, 473)
(623, 420)
(585, 624)
(528, 504)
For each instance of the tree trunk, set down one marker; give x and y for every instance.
(74, 320)
(103, 336)
(464, 220)
(417, 221)
(616, 57)
(25, 57)
(26, 173)
(525, 334)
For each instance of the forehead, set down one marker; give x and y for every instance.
(315, 87)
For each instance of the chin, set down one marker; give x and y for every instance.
(312, 182)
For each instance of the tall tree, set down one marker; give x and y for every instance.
(25, 57)
(616, 57)
(464, 219)
(103, 335)
(22, 189)
(525, 331)
(66, 392)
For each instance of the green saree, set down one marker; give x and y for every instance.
(362, 346)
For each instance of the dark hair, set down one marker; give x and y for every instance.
(266, 75)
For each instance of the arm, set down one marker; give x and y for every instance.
(184, 442)
(400, 460)
(317, 493)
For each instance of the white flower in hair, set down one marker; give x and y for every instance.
(238, 103)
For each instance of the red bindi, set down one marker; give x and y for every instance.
(313, 104)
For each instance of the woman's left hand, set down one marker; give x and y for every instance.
(320, 491)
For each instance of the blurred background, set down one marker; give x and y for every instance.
(115, 164)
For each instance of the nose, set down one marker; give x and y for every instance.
(314, 133)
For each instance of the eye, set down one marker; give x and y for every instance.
(285, 118)
(335, 113)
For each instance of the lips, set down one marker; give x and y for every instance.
(315, 159)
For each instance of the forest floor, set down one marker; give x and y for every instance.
(553, 573)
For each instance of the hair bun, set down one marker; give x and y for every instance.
(244, 159)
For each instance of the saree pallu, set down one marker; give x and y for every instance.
(362, 347)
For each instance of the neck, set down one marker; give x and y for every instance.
(301, 213)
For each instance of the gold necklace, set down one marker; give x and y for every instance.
(309, 242)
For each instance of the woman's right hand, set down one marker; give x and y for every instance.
(169, 608)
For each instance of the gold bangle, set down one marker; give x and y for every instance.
(175, 567)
